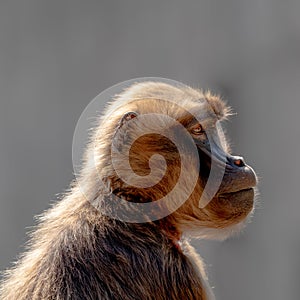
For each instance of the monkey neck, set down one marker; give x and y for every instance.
(171, 231)
(167, 226)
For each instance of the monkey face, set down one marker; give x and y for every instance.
(157, 143)
(232, 199)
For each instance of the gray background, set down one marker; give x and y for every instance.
(56, 56)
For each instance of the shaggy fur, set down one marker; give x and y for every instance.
(78, 252)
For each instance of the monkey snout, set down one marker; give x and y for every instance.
(238, 177)
(237, 166)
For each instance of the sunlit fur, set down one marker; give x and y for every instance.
(78, 252)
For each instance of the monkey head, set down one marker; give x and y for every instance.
(163, 144)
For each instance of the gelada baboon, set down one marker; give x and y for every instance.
(85, 248)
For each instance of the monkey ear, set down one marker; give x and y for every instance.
(127, 117)
(119, 136)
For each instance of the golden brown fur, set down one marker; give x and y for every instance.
(79, 252)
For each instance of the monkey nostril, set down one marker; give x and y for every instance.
(239, 162)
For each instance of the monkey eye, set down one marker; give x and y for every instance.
(198, 129)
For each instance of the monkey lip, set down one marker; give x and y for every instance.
(249, 191)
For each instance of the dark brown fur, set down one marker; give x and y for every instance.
(79, 252)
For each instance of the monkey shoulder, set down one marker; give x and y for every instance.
(118, 260)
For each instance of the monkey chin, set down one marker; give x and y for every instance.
(238, 204)
(232, 212)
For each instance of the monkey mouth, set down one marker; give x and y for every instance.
(248, 191)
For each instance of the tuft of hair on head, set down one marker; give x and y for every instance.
(218, 105)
